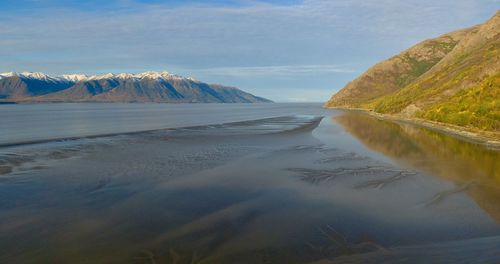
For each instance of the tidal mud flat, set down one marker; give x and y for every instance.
(294, 189)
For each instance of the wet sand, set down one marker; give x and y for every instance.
(296, 189)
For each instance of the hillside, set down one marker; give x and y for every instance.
(160, 87)
(396, 72)
(452, 79)
(28, 84)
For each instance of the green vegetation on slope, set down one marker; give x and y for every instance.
(440, 85)
(477, 107)
(418, 67)
(395, 73)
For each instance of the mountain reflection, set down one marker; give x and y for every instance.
(464, 163)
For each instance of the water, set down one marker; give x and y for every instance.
(346, 188)
(470, 166)
(38, 122)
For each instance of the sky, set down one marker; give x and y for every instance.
(287, 51)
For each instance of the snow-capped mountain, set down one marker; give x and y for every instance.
(28, 84)
(122, 87)
(7, 74)
(33, 76)
(82, 77)
(74, 77)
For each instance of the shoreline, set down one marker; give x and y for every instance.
(490, 140)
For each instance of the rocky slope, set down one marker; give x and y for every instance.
(161, 87)
(452, 79)
(13, 85)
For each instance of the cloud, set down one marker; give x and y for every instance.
(313, 32)
(284, 70)
(305, 39)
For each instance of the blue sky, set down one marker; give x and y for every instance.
(284, 50)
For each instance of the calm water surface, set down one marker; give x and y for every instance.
(472, 167)
(346, 188)
(32, 122)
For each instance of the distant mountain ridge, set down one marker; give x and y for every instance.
(452, 79)
(161, 87)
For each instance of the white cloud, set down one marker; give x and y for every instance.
(311, 37)
(283, 70)
(315, 32)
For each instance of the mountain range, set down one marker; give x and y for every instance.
(452, 79)
(160, 87)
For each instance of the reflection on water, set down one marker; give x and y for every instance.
(265, 191)
(474, 169)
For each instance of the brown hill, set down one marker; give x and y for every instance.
(452, 79)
